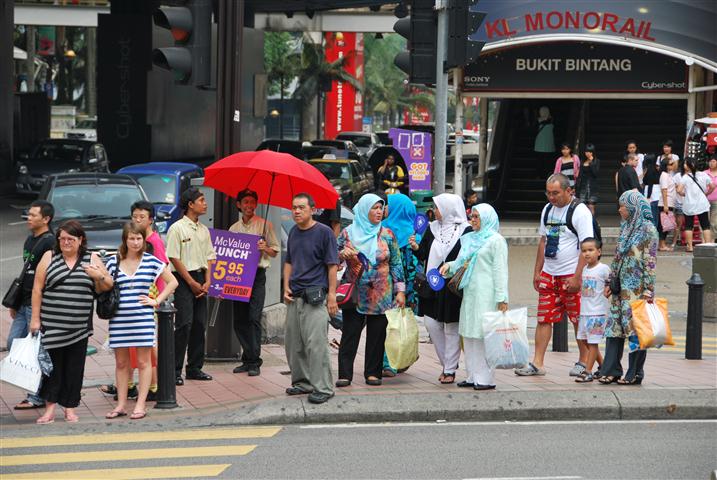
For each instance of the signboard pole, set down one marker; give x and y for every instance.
(439, 173)
(458, 157)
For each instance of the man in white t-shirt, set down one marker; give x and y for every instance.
(558, 267)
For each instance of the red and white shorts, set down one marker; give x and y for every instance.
(554, 299)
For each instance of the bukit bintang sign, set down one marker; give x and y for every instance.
(575, 67)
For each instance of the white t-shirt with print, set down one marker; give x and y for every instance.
(695, 200)
(566, 260)
(592, 300)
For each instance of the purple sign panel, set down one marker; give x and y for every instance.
(415, 148)
(237, 260)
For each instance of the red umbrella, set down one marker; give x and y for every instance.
(275, 177)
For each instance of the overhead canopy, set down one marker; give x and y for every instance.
(291, 6)
(680, 28)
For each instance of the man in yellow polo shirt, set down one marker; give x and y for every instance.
(247, 315)
(190, 252)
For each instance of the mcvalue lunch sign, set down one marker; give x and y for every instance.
(575, 67)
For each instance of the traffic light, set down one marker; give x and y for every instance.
(419, 62)
(190, 57)
(462, 23)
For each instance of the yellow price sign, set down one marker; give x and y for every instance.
(222, 268)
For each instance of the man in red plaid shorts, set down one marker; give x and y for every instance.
(558, 268)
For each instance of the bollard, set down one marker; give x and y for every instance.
(167, 389)
(560, 335)
(693, 343)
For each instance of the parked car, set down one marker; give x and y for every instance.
(383, 138)
(164, 183)
(349, 177)
(366, 142)
(292, 147)
(58, 156)
(84, 130)
(351, 149)
(99, 201)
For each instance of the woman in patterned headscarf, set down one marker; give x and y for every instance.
(634, 266)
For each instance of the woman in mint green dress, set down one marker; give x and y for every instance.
(485, 289)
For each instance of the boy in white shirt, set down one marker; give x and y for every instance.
(594, 305)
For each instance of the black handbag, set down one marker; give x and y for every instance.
(615, 286)
(422, 287)
(13, 296)
(108, 302)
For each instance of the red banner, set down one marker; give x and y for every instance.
(344, 105)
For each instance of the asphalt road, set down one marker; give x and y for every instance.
(528, 451)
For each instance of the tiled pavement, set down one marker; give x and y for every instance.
(664, 370)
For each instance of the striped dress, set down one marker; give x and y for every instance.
(133, 326)
(66, 311)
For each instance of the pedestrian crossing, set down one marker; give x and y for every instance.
(26, 457)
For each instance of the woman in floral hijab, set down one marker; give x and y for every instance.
(634, 266)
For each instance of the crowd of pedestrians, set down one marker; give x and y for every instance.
(64, 279)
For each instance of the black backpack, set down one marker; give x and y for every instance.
(569, 221)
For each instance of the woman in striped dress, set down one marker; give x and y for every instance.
(133, 325)
(66, 281)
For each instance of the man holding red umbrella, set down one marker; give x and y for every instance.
(247, 316)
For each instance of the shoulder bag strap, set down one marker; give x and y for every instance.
(62, 280)
(692, 176)
(26, 265)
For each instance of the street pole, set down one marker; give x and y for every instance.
(441, 117)
(458, 157)
(167, 388)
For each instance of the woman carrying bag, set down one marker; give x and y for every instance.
(632, 278)
(66, 281)
(440, 244)
(380, 287)
(401, 220)
(485, 289)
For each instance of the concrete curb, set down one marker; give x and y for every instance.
(487, 406)
(495, 406)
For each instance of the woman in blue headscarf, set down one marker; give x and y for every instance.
(380, 287)
(485, 289)
(634, 265)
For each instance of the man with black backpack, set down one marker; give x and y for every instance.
(37, 243)
(564, 223)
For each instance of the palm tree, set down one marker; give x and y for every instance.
(280, 62)
(387, 92)
(316, 76)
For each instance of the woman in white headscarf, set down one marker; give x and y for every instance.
(441, 312)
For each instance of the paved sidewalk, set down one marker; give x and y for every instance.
(665, 371)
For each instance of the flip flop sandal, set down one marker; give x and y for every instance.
(72, 418)
(584, 377)
(606, 380)
(115, 414)
(108, 389)
(137, 415)
(445, 380)
(44, 421)
(26, 405)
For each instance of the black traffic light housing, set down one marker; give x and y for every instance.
(462, 23)
(420, 29)
(190, 57)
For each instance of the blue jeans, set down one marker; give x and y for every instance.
(19, 329)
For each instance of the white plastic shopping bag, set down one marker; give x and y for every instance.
(21, 367)
(506, 338)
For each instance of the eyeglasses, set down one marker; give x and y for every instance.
(67, 239)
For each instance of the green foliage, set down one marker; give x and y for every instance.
(387, 90)
(281, 60)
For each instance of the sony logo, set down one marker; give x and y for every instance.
(474, 79)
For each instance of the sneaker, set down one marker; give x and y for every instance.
(577, 369)
(318, 397)
(529, 370)
(254, 371)
(241, 368)
(151, 396)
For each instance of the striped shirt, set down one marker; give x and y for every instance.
(66, 311)
(133, 325)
